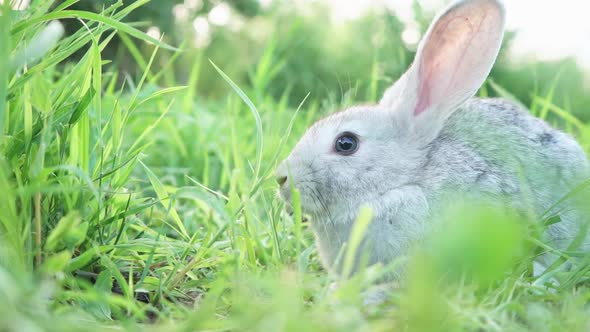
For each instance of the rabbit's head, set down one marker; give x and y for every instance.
(357, 155)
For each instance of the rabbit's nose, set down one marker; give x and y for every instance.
(281, 179)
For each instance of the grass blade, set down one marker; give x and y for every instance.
(163, 197)
(255, 113)
(71, 14)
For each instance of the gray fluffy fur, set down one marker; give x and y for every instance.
(410, 165)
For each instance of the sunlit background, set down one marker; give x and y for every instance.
(351, 50)
(331, 47)
(545, 30)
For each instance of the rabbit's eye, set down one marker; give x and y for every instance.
(346, 144)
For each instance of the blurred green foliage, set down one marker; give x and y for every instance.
(131, 196)
(159, 13)
(307, 52)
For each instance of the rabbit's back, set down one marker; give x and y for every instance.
(495, 149)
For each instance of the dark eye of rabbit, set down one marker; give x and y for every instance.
(346, 144)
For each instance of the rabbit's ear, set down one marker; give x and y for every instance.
(452, 62)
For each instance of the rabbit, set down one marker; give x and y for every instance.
(429, 142)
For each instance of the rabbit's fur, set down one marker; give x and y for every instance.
(429, 143)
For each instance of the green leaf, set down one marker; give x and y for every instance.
(103, 285)
(83, 260)
(359, 229)
(164, 197)
(104, 281)
(5, 48)
(255, 113)
(56, 263)
(75, 14)
(68, 233)
(82, 106)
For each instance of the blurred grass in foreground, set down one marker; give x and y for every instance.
(132, 202)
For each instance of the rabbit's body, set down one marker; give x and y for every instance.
(427, 145)
(524, 164)
(492, 147)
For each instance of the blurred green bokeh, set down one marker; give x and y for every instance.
(308, 52)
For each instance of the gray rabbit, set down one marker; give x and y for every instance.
(429, 142)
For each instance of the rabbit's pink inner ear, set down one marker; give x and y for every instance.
(458, 53)
(423, 98)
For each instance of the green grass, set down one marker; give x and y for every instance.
(133, 203)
